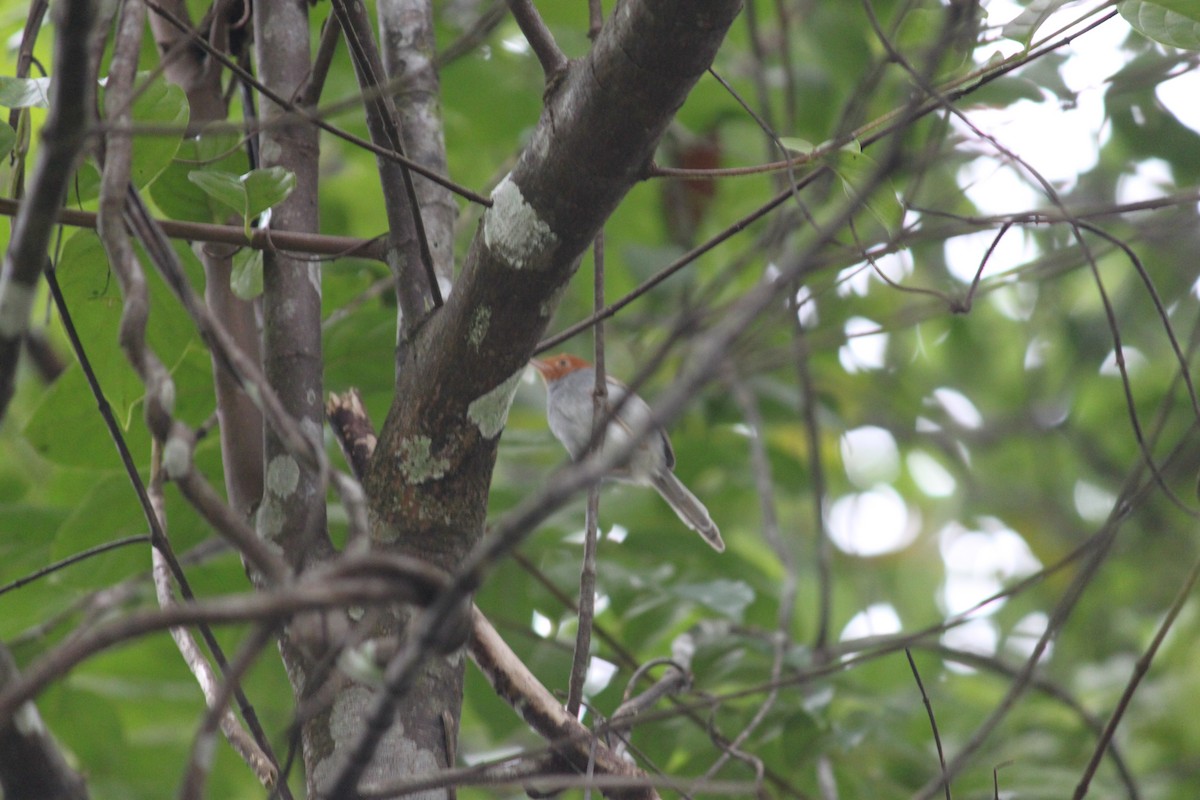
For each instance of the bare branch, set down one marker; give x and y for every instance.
(587, 572)
(63, 135)
(408, 247)
(32, 766)
(315, 244)
(407, 44)
(515, 684)
(364, 580)
(541, 41)
(206, 676)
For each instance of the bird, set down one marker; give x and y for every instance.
(570, 382)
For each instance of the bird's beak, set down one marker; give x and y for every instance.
(543, 367)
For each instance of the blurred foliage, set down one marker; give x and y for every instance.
(1011, 427)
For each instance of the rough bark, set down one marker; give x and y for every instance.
(32, 766)
(603, 116)
(407, 46)
(241, 427)
(292, 514)
(63, 135)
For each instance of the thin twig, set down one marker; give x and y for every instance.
(937, 739)
(63, 135)
(408, 240)
(261, 762)
(540, 39)
(220, 716)
(1135, 680)
(316, 244)
(587, 572)
(74, 559)
(314, 117)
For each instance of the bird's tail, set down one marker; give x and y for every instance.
(690, 510)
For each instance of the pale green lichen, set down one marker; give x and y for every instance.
(481, 319)
(16, 300)
(489, 412)
(176, 458)
(514, 232)
(350, 707)
(417, 462)
(269, 522)
(283, 476)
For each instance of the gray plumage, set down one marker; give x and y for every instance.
(653, 459)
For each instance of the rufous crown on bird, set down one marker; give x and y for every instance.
(554, 367)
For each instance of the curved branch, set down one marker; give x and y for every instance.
(72, 96)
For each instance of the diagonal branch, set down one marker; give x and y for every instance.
(541, 41)
(72, 96)
(408, 246)
(32, 767)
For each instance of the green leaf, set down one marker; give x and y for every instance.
(165, 106)
(1026, 24)
(94, 300)
(726, 597)
(225, 187)
(856, 170)
(801, 146)
(246, 280)
(24, 92)
(181, 198)
(8, 139)
(266, 188)
(109, 512)
(249, 194)
(159, 104)
(67, 429)
(1171, 22)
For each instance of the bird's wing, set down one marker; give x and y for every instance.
(632, 414)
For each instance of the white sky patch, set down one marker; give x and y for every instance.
(965, 253)
(958, 406)
(854, 280)
(994, 188)
(1058, 139)
(515, 44)
(930, 476)
(1016, 301)
(1134, 362)
(1025, 635)
(1150, 179)
(865, 347)
(1035, 353)
(896, 266)
(879, 619)
(980, 562)
(1179, 96)
(1092, 502)
(870, 456)
(541, 625)
(599, 674)
(1057, 143)
(974, 636)
(872, 523)
(806, 308)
